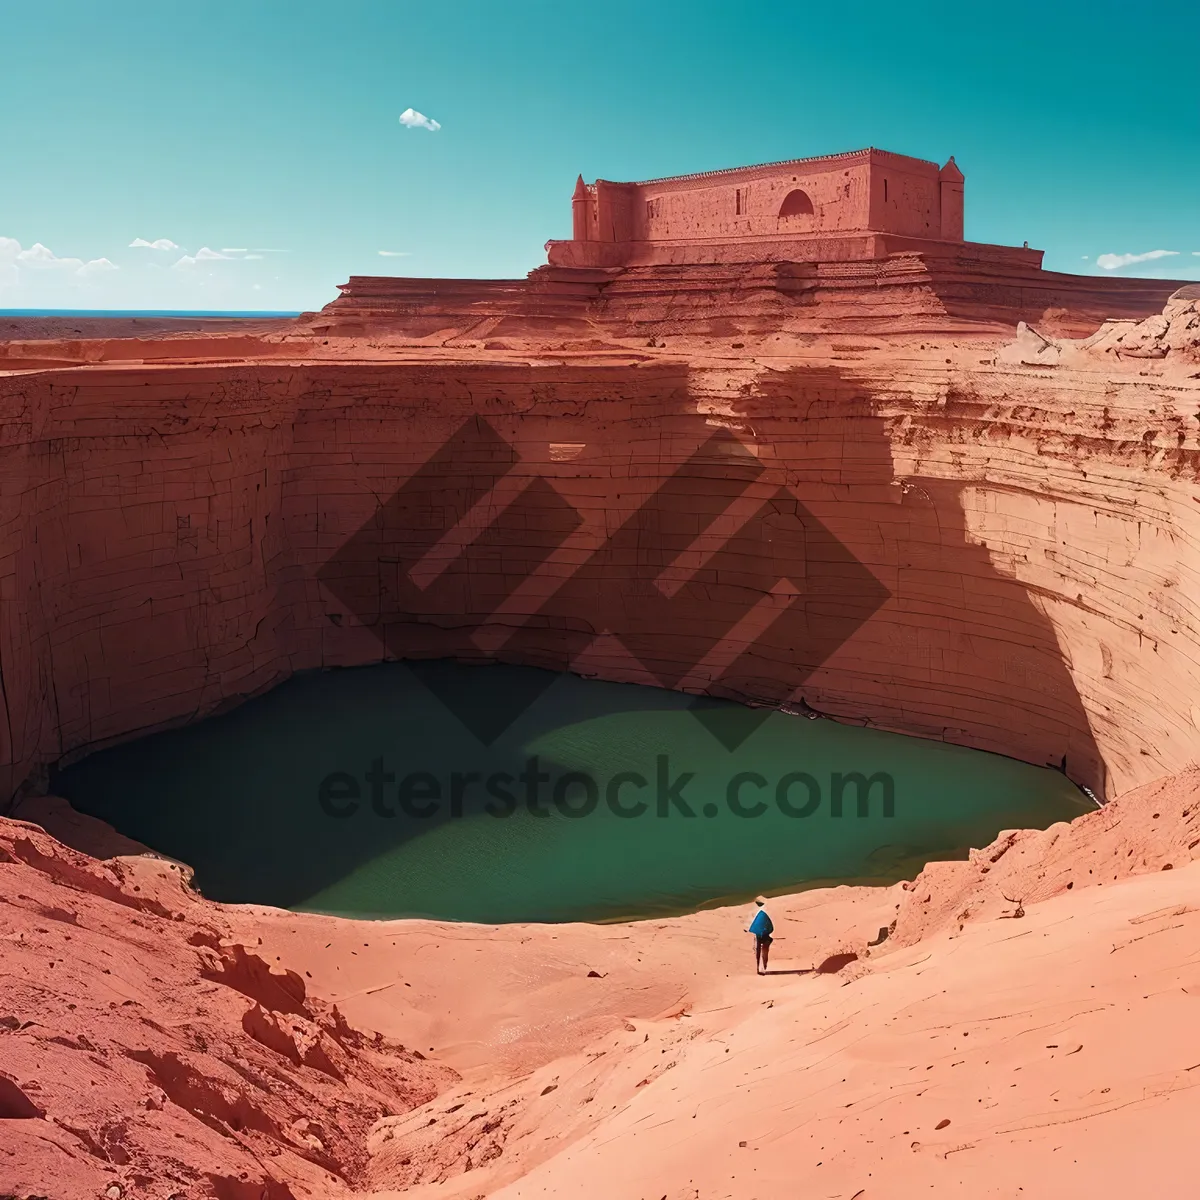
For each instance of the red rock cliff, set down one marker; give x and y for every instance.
(174, 534)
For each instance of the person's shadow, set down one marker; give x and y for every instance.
(829, 966)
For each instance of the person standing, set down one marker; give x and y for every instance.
(762, 927)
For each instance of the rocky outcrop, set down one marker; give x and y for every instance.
(142, 1044)
(1173, 334)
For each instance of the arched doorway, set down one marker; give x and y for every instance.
(795, 204)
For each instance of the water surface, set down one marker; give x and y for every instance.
(298, 798)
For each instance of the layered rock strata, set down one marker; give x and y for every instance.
(177, 536)
(963, 291)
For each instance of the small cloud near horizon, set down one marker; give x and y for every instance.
(1114, 262)
(41, 258)
(158, 244)
(204, 254)
(411, 119)
(396, 253)
(97, 266)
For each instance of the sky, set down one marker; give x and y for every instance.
(251, 155)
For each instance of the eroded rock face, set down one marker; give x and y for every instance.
(142, 1042)
(966, 290)
(1172, 336)
(176, 534)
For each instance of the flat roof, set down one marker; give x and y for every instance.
(845, 156)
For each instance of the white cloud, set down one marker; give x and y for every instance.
(396, 253)
(42, 258)
(158, 244)
(97, 266)
(33, 276)
(238, 253)
(204, 254)
(19, 266)
(412, 119)
(1113, 262)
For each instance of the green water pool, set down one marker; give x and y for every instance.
(361, 792)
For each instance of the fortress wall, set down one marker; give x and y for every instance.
(850, 193)
(164, 527)
(710, 208)
(905, 199)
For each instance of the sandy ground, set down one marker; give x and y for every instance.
(156, 1042)
(1049, 1056)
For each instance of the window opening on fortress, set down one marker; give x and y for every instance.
(737, 203)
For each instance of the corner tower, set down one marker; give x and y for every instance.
(579, 212)
(950, 187)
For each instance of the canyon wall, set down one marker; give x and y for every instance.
(887, 288)
(176, 537)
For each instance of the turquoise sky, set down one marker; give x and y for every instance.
(268, 133)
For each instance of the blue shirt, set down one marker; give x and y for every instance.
(761, 923)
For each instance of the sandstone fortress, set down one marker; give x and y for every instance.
(832, 208)
(864, 241)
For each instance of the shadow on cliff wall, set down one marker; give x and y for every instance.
(960, 649)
